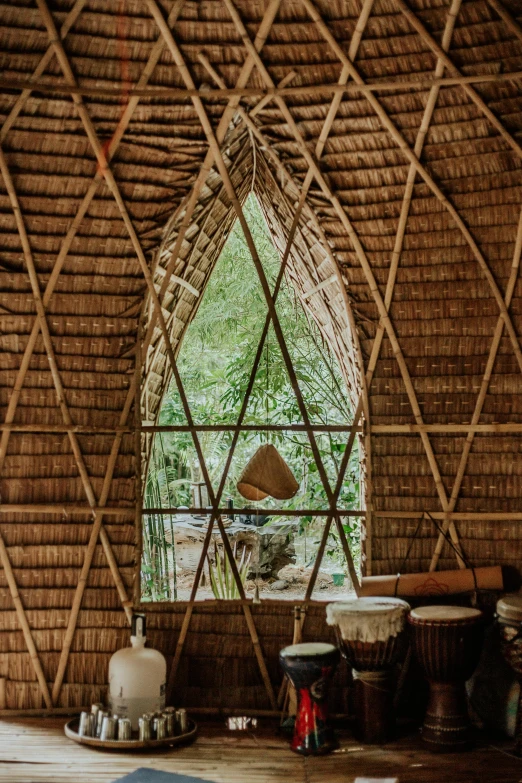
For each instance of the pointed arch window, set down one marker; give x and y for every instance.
(252, 375)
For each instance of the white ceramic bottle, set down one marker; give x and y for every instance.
(137, 677)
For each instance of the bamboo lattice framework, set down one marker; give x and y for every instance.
(388, 166)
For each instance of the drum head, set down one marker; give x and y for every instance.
(369, 619)
(307, 650)
(444, 614)
(510, 607)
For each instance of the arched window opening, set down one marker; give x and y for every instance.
(294, 548)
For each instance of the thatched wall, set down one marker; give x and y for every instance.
(430, 235)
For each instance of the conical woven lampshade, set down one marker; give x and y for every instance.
(267, 474)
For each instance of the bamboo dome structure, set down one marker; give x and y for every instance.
(383, 140)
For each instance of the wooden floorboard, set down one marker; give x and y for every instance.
(35, 750)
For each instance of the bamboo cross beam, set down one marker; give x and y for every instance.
(327, 88)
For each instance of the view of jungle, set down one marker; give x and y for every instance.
(275, 553)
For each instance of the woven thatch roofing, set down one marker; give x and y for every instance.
(445, 154)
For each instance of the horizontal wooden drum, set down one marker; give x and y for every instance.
(447, 642)
(371, 635)
(309, 667)
(509, 620)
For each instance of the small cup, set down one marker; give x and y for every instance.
(170, 721)
(108, 731)
(144, 728)
(160, 727)
(86, 727)
(101, 714)
(182, 720)
(124, 729)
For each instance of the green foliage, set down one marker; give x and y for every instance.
(215, 363)
(220, 573)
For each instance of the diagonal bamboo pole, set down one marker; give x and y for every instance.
(113, 186)
(405, 208)
(74, 227)
(109, 177)
(421, 169)
(97, 526)
(96, 532)
(246, 70)
(244, 405)
(46, 335)
(20, 102)
(495, 344)
(178, 58)
(470, 91)
(24, 625)
(506, 17)
(360, 254)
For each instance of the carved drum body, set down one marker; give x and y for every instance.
(371, 635)
(309, 667)
(447, 642)
(509, 619)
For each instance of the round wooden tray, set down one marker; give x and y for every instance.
(71, 731)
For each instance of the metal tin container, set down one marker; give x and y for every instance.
(124, 729)
(170, 719)
(87, 725)
(96, 707)
(160, 727)
(182, 720)
(101, 714)
(144, 728)
(108, 731)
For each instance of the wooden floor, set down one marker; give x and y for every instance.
(34, 750)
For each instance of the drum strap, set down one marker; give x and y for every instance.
(447, 538)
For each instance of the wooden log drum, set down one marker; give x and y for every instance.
(509, 620)
(309, 667)
(447, 642)
(371, 635)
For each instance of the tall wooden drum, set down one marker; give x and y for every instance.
(309, 667)
(371, 635)
(509, 619)
(447, 642)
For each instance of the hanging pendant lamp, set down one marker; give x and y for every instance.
(267, 474)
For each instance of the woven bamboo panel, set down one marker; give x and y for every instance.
(429, 237)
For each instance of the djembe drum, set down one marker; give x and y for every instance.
(509, 620)
(447, 642)
(371, 635)
(309, 667)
